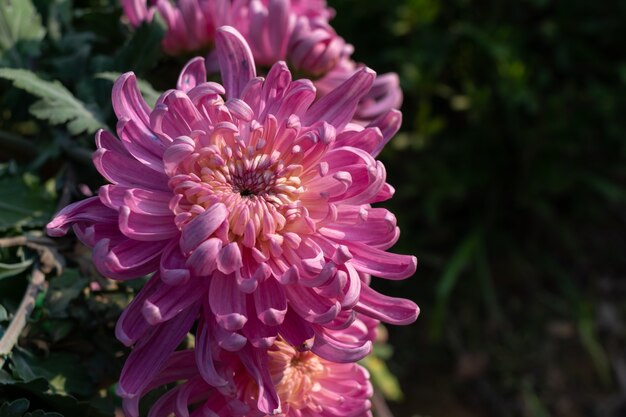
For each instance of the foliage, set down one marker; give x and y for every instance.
(57, 104)
(20, 31)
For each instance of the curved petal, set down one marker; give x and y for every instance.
(128, 102)
(235, 58)
(332, 349)
(338, 107)
(151, 353)
(202, 227)
(132, 325)
(127, 260)
(380, 263)
(398, 311)
(204, 356)
(270, 302)
(90, 210)
(227, 302)
(255, 362)
(193, 73)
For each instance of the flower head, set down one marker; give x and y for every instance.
(251, 202)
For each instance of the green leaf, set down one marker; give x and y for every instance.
(465, 251)
(592, 345)
(63, 371)
(143, 49)
(9, 270)
(147, 91)
(20, 31)
(382, 378)
(23, 204)
(63, 290)
(57, 104)
(15, 408)
(38, 391)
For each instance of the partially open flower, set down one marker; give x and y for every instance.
(295, 31)
(253, 206)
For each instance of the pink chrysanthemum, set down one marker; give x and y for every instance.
(295, 31)
(254, 211)
(306, 386)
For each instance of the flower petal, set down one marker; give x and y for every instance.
(152, 352)
(398, 311)
(380, 263)
(270, 302)
(227, 302)
(235, 59)
(338, 107)
(202, 227)
(193, 73)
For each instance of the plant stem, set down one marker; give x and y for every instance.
(11, 336)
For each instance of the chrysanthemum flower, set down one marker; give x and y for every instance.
(306, 385)
(253, 206)
(295, 31)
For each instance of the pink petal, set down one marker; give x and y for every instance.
(310, 306)
(193, 74)
(380, 263)
(132, 325)
(338, 107)
(227, 302)
(148, 202)
(202, 227)
(255, 362)
(127, 260)
(127, 171)
(129, 104)
(90, 210)
(235, 58)
(146, 148)
(398, 311)
(270, 302)
(389, 124)
(204, 356)
(335, 350)
(173, 266)
(203, 259)
(229, 259)
(169, 300)
(295, 330)
(152, 352)
(146, 227)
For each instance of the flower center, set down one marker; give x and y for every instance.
(295, 375)
(259, 189)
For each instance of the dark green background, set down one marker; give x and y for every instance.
(510, 175)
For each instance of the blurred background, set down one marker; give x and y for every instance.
(510, 177)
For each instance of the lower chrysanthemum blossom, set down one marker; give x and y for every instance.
(306, 385)
(252, 205)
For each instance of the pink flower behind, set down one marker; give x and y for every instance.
(295, 31)
(253, 208)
